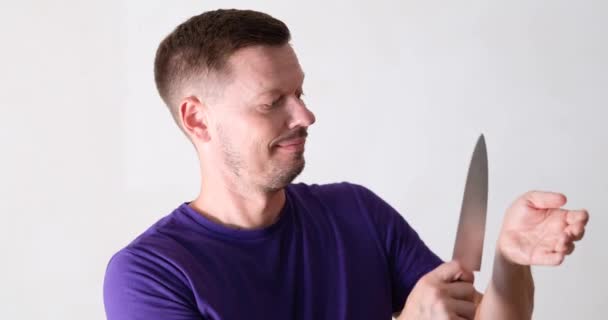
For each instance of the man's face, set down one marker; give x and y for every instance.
(260, 121)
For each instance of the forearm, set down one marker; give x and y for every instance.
(510, 294)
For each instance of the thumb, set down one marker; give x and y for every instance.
(544, 200)
(453, 271)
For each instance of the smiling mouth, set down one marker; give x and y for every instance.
(292, 145)
(292, 142)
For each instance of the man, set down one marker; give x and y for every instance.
(254, 246)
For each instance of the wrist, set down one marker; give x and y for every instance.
(512, 280)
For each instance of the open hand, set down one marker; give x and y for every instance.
(537, 231)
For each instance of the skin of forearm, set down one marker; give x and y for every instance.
(510, 294)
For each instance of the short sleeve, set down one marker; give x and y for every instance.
(408, 256)
(139, 286)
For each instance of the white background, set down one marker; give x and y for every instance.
(89, 156)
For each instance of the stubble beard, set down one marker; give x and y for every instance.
(282, 176)
(278, 178)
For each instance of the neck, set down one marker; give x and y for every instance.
(231, 204)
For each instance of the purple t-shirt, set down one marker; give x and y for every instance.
(337, 251)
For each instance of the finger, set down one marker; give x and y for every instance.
(563, 244)
(461, 290)
(465, 309)
(465, 276)
(577, 216)
(576, 231)
(549, 259)
(453, 271)
(570, 249)
(544, 199)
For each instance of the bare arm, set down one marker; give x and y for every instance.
(535, 231)
(510, 293)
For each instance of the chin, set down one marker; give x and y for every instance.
(282, 177)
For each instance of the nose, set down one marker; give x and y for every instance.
(301, 116)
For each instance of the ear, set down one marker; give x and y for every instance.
(194, 118)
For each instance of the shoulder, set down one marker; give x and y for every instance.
(331, 192)
(149, 275)
(154, 252)
(353, 203)
(343, 195)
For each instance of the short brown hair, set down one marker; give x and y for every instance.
(202, 44)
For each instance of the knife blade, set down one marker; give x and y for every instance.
(468, 247)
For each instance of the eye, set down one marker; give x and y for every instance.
(277, 102)
(300, 95)
(273, 104)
